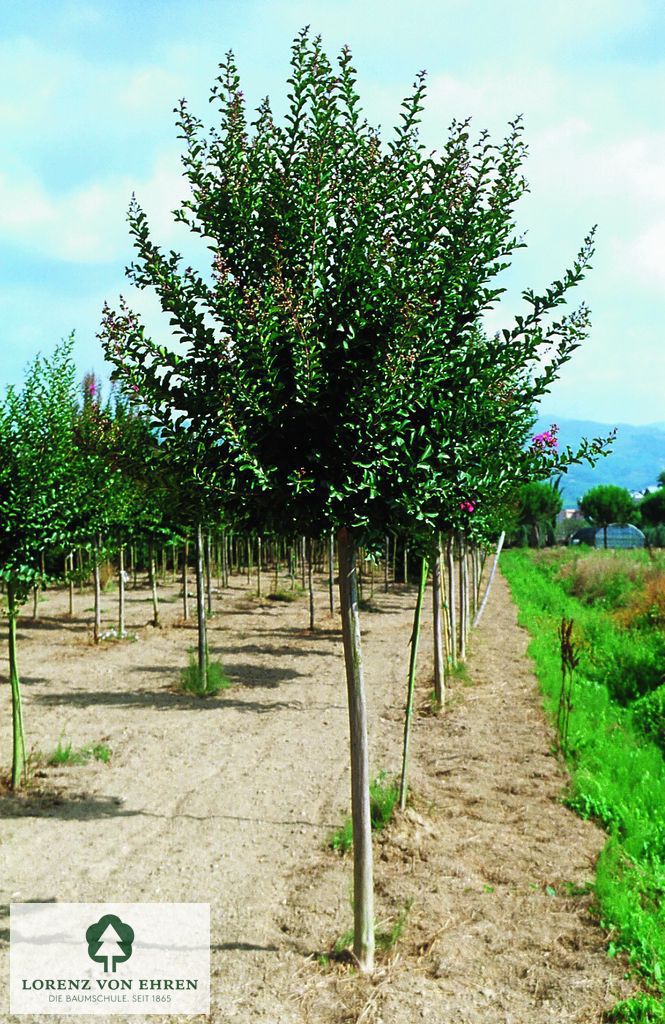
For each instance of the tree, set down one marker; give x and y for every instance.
(607, 504)
(538, 505)
(37, 495)
(652, 508)
(337, 328)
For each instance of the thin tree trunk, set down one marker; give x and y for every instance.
(462, 599)
(303, 560)
(185, 583)
(451, 600)
(310, 583)
(331, 571)
(490, 580)
(201, 611)
(386, 565)
(18, 735)
(152, 575)
(406, 563)
(35, 602)
(408, 713)
(121, 591)
(474, 585)
(259, 553)
(363, 890)
(79, 554)
(174, 561)
(71, 584)
(97, 628)
(437, 622)
(208, 569)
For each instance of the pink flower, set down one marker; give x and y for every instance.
(546, 440)
(467, 506)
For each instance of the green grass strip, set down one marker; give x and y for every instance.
(618, 775)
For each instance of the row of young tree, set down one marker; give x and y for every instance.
(328, 372)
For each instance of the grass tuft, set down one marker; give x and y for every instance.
(383, 797)
(64, 754)
(192, 682)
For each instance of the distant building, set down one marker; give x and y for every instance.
(568, 513)
(618, 536)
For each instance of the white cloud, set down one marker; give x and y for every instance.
(87, 225)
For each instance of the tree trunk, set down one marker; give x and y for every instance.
(201, 611)
(185, 583)
(121, 591)
(331, 571)
(71, 584)
(79, 555)
(18, 735)
(152, 575)
(35, 602)
(451, 600)
(605, 537)
(408, 713)
(208, 568)
(303, 560)
(310, 583)
(363, 891)
(490, 580)
(97, 628)
(406, 563)
(437, 622)
(259, 554)
(386, 565)
(462, 599)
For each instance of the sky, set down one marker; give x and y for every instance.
(88, 87)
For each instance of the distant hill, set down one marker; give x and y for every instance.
(638, 456)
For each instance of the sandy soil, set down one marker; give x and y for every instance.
(230, 801)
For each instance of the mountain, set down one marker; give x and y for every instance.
(636, 459)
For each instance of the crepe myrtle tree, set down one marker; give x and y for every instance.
(37, 495)
(346, 276)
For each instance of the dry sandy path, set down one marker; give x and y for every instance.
(229, 802)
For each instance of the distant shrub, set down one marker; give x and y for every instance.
(603, 577)
(649, 715)
(646, 607)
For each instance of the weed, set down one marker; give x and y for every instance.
(286, 596)
(383, 796)
(64, 754)
(638, 1010)
(216, 678)
(388, 935)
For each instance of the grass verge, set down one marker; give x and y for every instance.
(617, 774)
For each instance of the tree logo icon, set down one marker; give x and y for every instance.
(109, 941)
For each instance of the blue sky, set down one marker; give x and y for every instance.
(87, 89)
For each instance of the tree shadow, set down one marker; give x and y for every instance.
(160, 700)
(55, 804)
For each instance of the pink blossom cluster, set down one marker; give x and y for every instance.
(467, 506)
(547, 439)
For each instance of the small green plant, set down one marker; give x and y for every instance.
(341, 840)
(383, 796)
(389, 935)
(386, 934)
(65, 754)
(192, 683)
(286, 596)
(638, 1010)
(570, 659)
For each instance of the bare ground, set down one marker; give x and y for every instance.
(230, 801)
